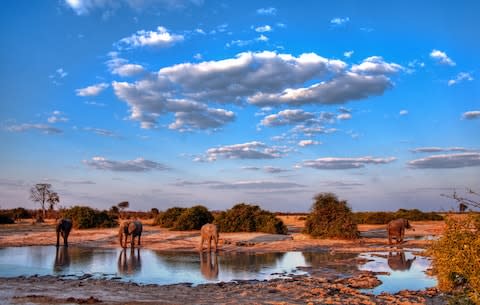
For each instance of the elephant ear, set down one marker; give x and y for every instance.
(131, 227)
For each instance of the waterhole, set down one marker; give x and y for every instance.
(145, 266)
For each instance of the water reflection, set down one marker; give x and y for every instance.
(397, 261)
(129, 264)
(209, 265)
(62, 259)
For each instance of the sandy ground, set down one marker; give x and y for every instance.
(299, 290)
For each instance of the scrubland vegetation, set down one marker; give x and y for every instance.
(456, 259)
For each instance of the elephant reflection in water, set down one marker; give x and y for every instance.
(62, 259)
(398, 262)
(129, 264)
(209, 265)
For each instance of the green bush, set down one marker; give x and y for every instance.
(85, 217)
(249, 218)
(193, 218)
(331, 218)
(20, 213)
(168, 218)
(5, 219)
(456, 258)
(386, 217)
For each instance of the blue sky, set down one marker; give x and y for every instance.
(180, 102)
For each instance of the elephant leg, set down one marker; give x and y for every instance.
(215, 239)
(58, 239)
(209, 244)
(132, 242)
(139, 235)
(201, 244)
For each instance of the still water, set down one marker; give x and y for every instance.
(151, 267)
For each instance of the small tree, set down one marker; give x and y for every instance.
(473, 199)
(42, 193)
(52, 200)
(122, 206)
(331, 218)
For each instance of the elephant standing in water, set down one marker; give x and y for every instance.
(398, 261)
(396, 230)
(133, 228)
(63, 227)
(209, 232)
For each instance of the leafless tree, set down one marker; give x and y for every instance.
(472, 200)
(43, 193)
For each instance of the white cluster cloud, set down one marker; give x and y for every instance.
(462, 76)
(348, 54)
(470, 115)
(249, 150)
(259, 78)
(344, 163)
(287, 117)
(339, 21)
(136, 165)
(442, 58)
(304, 143)
(121, 67)
(192, 115)
(263, 28)
(44, 128)
(57, 117)
(93, 90)
(159, 38)
(344, 116)
(458, 160)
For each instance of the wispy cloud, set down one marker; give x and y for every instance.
(101, 132)
(348, 54)
(93, 90)
(59, 74)
(461, 77)
(267, 11)
(121, 67)
(459, 160)
(470, 115)
(434, 149)
(403, 112)
(287, 117)
(344, 163)
(44, 128)
(161, 37)
(441, 58)
(136, 165)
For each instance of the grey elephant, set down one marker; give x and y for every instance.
(396, 229)
(133, 228)
(397, 261)
(63, 227)
(209, 233)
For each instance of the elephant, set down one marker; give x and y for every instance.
(398, 262)
(396, 229)
(63, 227)
(129, 264)
(127, 228)
(209, 265)
(209, 232)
